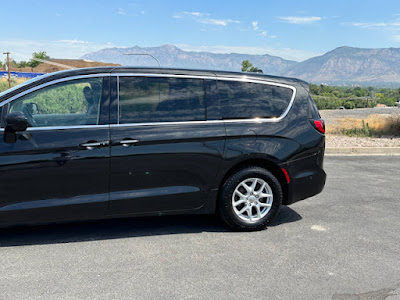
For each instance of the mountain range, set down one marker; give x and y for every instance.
(341, 66)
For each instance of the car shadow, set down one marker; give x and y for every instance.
(122, 228)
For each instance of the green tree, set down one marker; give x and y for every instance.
(248, 66)
(314, 89)
(13, 63)
(38, 55)
(387, 101)
(22, 64)
(349, 105)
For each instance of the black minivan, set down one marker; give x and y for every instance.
(115, 142)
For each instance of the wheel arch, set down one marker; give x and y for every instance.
(263, 163)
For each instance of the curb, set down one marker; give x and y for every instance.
(363, 151)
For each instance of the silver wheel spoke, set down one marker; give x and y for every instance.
(264, 195)
(239, 202)
(253, 186)
(246, 187)
(258, 212)
(262, 188)
(240, 194)
(243, 210)
(249, 213)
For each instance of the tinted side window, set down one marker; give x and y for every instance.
(150, 99)
(70, 103)
(241, 100)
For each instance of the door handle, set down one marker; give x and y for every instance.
(128, 142)
(92, 145)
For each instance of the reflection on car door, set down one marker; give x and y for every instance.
(59, 167)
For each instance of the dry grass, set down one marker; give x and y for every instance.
(374, 125)
(14, 82)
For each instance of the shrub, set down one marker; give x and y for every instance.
(349, 105)
(388, 101)
(365, 130)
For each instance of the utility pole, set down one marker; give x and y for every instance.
(8, 68)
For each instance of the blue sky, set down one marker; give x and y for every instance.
(291, 29)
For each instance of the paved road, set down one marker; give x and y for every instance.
(341, 244)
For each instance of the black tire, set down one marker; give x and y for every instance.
(226, 210)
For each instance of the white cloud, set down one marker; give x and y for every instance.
(195, 13)
(204, 18)
(300, 20)
(377, 25)
(390, 28)
(219, 22)
(73, 42)
(121, 11)
(286, 53)
(260, 31)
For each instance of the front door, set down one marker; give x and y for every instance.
(59, 167)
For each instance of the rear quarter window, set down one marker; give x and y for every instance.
(243, 100)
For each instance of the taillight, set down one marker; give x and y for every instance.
(319, 125)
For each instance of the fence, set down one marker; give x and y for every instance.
(20, 74)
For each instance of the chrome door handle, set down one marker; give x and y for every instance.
(128, 142)
(92, 145)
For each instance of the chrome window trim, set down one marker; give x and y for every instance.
(163, 75)
(64, 127)
(46, 84)
(209, 122)
(217, 78)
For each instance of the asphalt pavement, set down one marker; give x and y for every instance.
(341, 244)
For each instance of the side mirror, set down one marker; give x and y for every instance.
(16, 122)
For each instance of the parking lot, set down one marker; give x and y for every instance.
(341, 244)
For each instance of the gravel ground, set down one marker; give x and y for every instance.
(339, 141)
